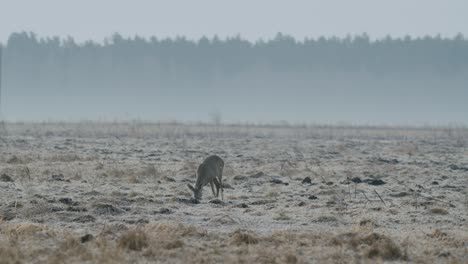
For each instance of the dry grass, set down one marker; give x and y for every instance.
(169, 231)
(372, 245)
(408, 148)
(10, 255)
(149, 171)
(64, 157)
(438, 234)
(133, 179)
(132, 174)
(282, 216)
(25, 230)
(382, 246)
(438, 211)
(134, 239)
(240, 237)
(178, 243)
(130, 195)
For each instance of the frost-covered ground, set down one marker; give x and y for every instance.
(116, 192)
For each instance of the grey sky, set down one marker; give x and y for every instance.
(253, 19)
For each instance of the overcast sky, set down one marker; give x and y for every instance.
(253, 19)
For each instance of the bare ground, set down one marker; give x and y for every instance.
(116, 192)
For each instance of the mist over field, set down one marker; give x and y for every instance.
(409, 80)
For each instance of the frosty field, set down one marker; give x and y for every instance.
(117, 193)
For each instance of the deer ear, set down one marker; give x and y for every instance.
(191, 187)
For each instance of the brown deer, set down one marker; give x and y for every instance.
(210, 171)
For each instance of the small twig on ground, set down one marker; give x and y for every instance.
(380, 197)
(416, 197)
(423, 196)
(366, 197)
(435, 199)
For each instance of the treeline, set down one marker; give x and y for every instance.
(164, 61)
(275, 79)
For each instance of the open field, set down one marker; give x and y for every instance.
(116, 192)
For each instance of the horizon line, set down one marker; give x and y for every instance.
(151, 38)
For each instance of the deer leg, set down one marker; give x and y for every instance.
(221, 186)
(212, 187)
(217, 186)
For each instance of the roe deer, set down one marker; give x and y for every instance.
(210, 171)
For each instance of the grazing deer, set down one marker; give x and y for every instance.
(210, 171)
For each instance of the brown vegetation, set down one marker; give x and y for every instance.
(115, 193)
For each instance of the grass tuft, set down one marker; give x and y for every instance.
(134, 239)
(438, 211)
(239, 238)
